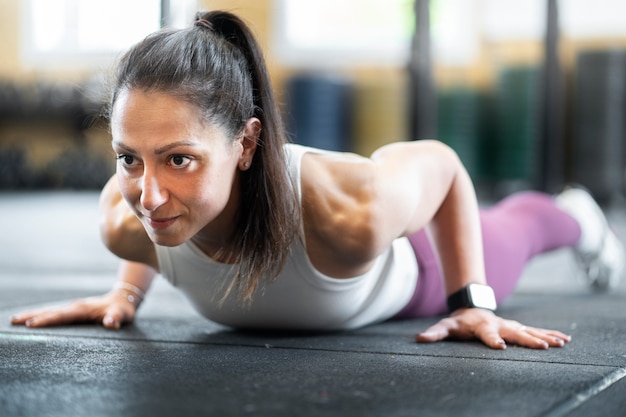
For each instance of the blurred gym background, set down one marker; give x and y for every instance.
(531, 94)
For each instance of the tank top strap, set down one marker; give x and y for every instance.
(294, 154)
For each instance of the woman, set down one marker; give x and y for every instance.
(257, 233)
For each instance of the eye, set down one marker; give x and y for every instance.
(127, 160)
(180, 161)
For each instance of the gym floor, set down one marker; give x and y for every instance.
(173, 362)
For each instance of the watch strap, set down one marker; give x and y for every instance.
(463, 298)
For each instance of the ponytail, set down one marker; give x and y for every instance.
(232, 29)
(218, 66)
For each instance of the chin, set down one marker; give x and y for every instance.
(169, 241)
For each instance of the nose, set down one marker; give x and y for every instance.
(153, 192)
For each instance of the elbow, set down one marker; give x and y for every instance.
(114, 218)
(109, 198)
(108, 235)
(451, 168)
(448, 156)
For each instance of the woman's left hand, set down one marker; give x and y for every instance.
(493, 331)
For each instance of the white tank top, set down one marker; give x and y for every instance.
(302, 298)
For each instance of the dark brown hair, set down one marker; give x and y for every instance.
(218, 66)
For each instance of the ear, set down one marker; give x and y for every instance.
(249, 141)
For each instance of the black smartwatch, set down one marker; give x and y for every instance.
(472, 296)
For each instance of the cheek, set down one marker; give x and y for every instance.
(204, 190)
(129, 189)
(212, 189)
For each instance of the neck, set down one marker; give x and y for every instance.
(218, 250)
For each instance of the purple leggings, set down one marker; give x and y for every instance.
(516, 229)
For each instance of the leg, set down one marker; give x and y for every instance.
(599, 252)
(518, 228)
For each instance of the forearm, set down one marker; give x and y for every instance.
(457, 234)
(423, 184)
(426, 184)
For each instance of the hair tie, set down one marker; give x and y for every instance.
(202, 22)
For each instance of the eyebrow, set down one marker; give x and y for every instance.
(171, 146)
(160, 150)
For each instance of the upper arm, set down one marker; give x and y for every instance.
(360, 208)
(431, 186)
(121, 231)
(412, 181)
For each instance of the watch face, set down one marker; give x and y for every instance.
(482, 296)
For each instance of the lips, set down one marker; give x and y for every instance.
(160, 223)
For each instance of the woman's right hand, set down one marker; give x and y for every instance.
(112, 310)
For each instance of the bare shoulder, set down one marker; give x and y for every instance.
(355, 207)
(121, 231)
(338, 201)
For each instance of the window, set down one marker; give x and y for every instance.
(597, 19)
(83, 34)
(453, 31)
(330, 32)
